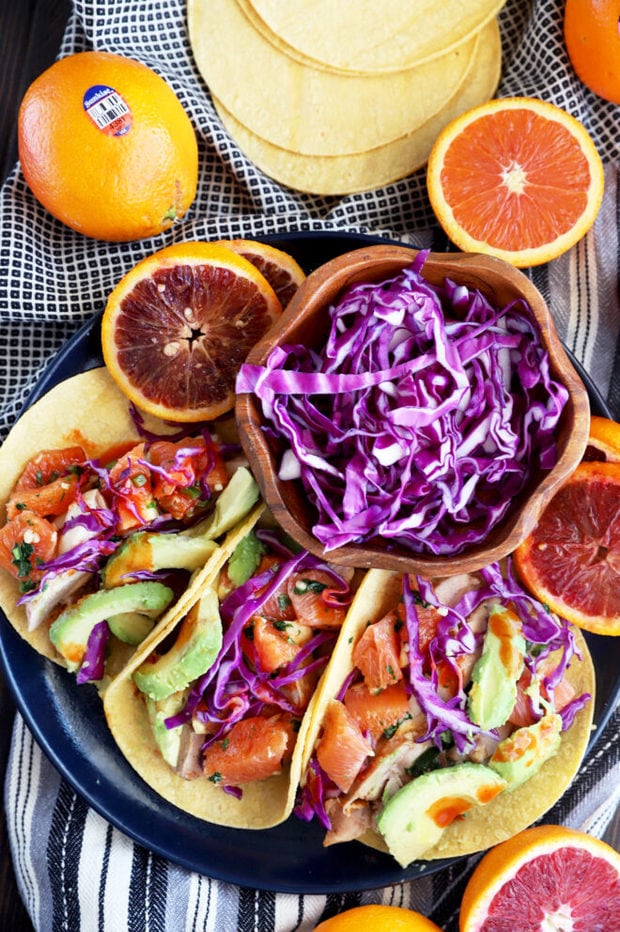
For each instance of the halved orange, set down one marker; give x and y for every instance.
(179, 325)
(517, 178)
(547, 877)
(281, 270)
(571, 560)
(604, 440)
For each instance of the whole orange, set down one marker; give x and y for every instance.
(378, 918)
(593, 44)
(107, 147)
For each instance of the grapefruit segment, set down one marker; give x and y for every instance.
(177, 327)
(535, 880)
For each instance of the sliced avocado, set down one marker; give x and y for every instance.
(168, 739)
(150, 551)
(494, 691)
(233, 504)
(519, 756)
(245, 559)
(70, 631)
(414, 818)
(197, 645)
(131, 627)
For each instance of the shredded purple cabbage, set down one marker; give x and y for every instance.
(420, 420)
(93, 664)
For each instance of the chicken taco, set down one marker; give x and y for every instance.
(452, 716)
(213, 715)
(107, 526)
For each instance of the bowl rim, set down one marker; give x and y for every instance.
(352, 266)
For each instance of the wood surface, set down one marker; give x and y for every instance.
(30, 36)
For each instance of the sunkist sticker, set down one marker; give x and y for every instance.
(108, 110)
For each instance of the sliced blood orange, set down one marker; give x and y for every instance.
(377, 653)
(342, 748)
(178, 326)
(603, 441)
(377, 713)
(571, 561)
(255, 748)
(281, 270)
(548, 877)
(518, 178)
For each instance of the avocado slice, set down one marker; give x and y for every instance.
(70, 631)
(131, 627)
(494, 678)
(519, 756)
(245, 559)
(197, 645)
(414, 818)
(168, 739)
(150, 551)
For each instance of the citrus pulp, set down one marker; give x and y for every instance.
(177, 327)
(548, 877)
(517, 178)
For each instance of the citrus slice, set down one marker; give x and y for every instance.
(377, 918)
(517, 178)
(571, 560)
(548, 877)
(178, 326)
(281, 270)
(604, 440)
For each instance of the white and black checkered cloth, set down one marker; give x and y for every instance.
(76, 871)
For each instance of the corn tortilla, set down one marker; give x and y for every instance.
(509, 812)
(87, 409)
(263, 803)
(308, 110)
(361, 36)
(364, 171)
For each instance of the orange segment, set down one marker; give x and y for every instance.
(342, 749)
(571, 561)
(536, 877)
(517, 178)
(253, 749)
(378, 918)
(178, 326)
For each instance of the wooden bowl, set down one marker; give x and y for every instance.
(306, 321)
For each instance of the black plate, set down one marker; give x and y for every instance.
(69, 725)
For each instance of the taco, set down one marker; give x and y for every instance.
(452, 716)
(107, 526)
(213, 715)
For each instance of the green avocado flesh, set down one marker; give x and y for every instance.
(69, 633)
(494, 678)
(197, 645)
(414, 818)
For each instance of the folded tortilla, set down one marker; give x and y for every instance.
(512, 810)
(263, 803)
(87, 410)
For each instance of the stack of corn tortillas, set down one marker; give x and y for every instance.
(336, 98)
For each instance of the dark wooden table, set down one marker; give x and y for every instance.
(30, 35)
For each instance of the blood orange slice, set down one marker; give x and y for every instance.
(604, 440)
(548, 877)
(518, 178)
(571, 561)
(178, 326)
(281, 270)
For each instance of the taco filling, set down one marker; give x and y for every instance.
(226, 695)
(100, 548)
(455, 696)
